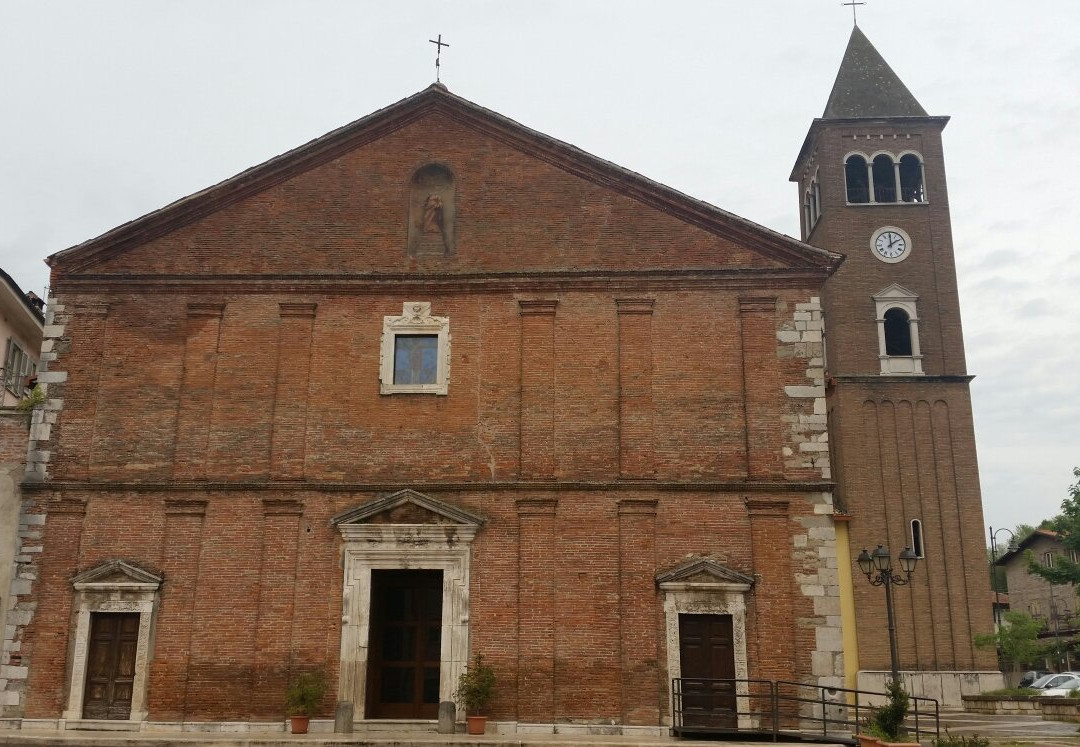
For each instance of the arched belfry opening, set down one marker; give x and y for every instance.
(432, 211)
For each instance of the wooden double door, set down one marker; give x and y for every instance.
(110, 666)
(404, 645)
(707, 658)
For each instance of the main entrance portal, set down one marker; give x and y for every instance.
(404, 647)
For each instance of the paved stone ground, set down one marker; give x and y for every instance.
(1011, 730)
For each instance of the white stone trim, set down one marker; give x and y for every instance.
(898, 297)
(112, 596)
(707, 598)
(445, 547)
(415, 319)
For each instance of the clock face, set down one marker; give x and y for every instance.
(890, 244)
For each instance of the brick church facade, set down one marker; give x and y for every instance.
(437, 385)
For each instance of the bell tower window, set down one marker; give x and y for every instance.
(911, 179)
(858, 179)
(898, 332)
(884, 176)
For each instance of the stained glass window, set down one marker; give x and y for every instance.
(416, 359)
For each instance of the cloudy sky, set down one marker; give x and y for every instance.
(113, 109)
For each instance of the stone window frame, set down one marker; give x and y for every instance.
(704, 587)
(415, 319)
(99, 590)
(445, 547)
(898, 297)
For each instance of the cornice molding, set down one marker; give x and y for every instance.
(495, 282)
(612, 486)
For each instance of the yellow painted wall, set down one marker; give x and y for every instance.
(847, 605)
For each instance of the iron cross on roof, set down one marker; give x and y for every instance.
(853, 18)
(439, 44)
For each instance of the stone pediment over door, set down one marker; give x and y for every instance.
(407, 507)
(704, 573)
(116, 575)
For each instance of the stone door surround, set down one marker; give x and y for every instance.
(113, 586)
(404, 530)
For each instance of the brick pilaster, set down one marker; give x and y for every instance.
(197, 389)
(638, 633)
(635, 387)
(537, 457)
(184, 519)
(45, 642)
(536, 610)
(761, 388)
(774, 590)
(273, 631)
(291, 391)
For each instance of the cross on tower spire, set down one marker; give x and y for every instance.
(853, 4)
(439, 44)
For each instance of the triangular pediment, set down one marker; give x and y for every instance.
(407, 507)
(114, 573)
(896, 292)
(703, 570)
(772, 249)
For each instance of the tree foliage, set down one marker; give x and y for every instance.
(1067, 526)
(1017, 639)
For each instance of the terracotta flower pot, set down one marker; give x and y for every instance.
(865, 740)
(299, 724)
(475, 724)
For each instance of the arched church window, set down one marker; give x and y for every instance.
(432, 211)
(858, 181)
(884, 179)
(911, 179)
(917, 538)
(897, 332)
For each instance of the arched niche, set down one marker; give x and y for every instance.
(432, 211)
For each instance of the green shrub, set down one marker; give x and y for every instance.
(887, 721)
(950, 741)
(1012, 692)
(476, 687)
(305, 693)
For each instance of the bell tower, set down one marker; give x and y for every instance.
(871, 178)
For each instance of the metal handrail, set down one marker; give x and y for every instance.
(770, 695)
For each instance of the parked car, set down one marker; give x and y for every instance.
(1053, 680)
(1029, 677)
(1063, 688)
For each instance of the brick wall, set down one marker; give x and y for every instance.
(605, 356)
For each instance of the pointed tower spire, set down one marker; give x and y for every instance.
(867, 87)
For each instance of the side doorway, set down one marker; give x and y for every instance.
(110, 668)
(707, 654)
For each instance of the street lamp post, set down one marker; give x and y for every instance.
(878, 569)
(993, 568)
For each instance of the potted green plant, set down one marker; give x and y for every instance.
(476, 688)
(303, 697)
(886, 724)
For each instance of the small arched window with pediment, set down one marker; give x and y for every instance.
(897, 332)
(432, 211)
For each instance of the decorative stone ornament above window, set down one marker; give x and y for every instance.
(415, 353)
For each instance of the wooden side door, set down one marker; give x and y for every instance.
(110, 670)
(707, 658)
(405, 644)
